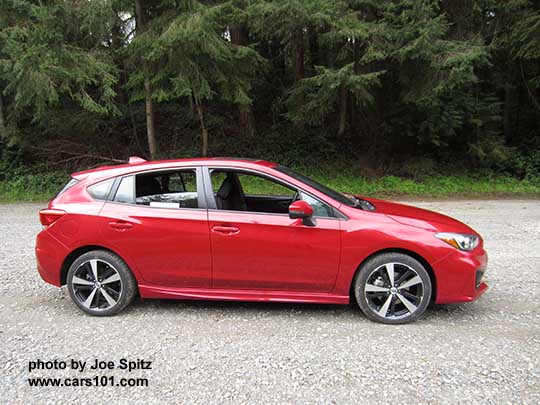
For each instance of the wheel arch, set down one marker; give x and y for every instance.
(73, 255)
(408, 252)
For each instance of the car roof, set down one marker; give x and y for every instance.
(138, 164)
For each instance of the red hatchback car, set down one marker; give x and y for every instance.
(238, 229)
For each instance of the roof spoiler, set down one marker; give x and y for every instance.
(133, 160)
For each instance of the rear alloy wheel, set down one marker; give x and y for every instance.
(393, 288)
(100, 283)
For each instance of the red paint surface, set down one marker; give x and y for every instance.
(225, 255)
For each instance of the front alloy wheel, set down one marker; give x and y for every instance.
(100, 283)
(393, 288)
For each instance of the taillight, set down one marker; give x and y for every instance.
(48, 216)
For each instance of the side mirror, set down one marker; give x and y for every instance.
(301, 209)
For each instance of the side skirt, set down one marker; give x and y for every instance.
(240, 295)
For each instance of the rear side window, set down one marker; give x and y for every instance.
(100, 191)
(69, 184)
(169, 189)
(124, 194)
(166, 189)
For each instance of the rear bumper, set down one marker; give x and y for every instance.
(50, 253)
(459, 277)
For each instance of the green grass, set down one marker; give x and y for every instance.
(24, 187)
(436, 186)
(41, 187)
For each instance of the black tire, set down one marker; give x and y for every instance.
(115, 287)
(401, 303)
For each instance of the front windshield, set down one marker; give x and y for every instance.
(342, 198)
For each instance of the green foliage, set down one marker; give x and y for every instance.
(347, 180)
(283, 19)
(527, 165)
(403, 87)
(202, 62)
(188, 56)
(396, 187)
(21, 185)
(322, 91)
(438, 75)
(47, 56)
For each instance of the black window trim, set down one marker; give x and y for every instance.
(211, 201)
(201, 200)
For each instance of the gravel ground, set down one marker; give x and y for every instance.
(213, 352)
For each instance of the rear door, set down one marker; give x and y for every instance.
(159, 221)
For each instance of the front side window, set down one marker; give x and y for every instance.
(262, 186)
(320, 209)
(242, 191)
(340, 197)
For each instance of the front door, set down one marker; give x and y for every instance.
(255, 245)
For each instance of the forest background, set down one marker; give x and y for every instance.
(401, 97)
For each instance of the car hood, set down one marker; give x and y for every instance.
(419, 217)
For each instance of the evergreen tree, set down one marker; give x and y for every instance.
(348, 76)
(290, 22)
(391, 79)
(51, 52)
(191, 58)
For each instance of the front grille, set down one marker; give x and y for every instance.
(479, 276)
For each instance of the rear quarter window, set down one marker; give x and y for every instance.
(100, 191)
(68, 185)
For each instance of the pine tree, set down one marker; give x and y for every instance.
(348, 77)
(289, 22)
(193, 59)
(50, 52)
(393, 79)
(439, 88)
(515, 32)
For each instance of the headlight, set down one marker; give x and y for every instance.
(460, 241)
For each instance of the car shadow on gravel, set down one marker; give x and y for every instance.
(437, 313)
(242, 306)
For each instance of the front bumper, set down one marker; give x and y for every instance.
(50, 253)
(458, 277)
